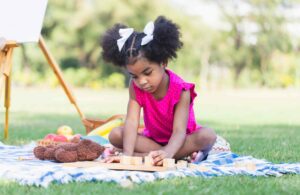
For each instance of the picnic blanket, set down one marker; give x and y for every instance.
(17, 163)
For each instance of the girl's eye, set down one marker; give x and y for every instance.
(134, 77)
(148, 73)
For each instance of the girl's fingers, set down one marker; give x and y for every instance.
(112, 159)
(158, 161)
(154, 154)
(107, 160)
(158, 157)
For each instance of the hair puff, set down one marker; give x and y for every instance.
(110, 50)
(166, 41)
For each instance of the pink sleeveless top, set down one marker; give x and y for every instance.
(159, 114)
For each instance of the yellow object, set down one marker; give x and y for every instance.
(64, 130)
(106, 128)
(69, 137)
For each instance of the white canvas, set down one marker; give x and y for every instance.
(22, 20)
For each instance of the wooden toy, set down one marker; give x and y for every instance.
(148, 161)
(128, 163)
(197, 167)
(47, 142)
(169, 162)
(136, 160)
(181, 164)
(126, 160)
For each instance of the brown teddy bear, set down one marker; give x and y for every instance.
(84, 150)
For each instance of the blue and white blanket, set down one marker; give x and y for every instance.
(17, 163)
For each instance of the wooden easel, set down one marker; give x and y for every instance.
(5, 69)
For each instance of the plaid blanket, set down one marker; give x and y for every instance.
(17, 163)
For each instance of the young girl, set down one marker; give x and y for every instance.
(167, 100)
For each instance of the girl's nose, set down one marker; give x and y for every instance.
(143, 81)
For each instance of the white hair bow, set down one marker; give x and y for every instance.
(148, 30)
(125, 34)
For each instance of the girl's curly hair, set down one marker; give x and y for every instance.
(165, 43)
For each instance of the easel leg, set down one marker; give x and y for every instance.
(2, 76)
(7, 104)
(58, 74)
(6, 73)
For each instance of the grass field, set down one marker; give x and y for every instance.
(261, 123)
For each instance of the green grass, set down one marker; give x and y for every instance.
(261, 123)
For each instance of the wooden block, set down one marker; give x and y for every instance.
(126, 160)
(136, 160)
(116, 166)
(197, 167)
(148, 161)
(169, 162)
(181, 164)
(193, 166)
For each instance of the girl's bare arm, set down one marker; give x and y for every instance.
(131, 123)
(179, 130)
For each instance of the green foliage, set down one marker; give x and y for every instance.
(115, 80)
(27, 78)
(73, 29)
(80, 77)
(69, 62)
(83, 77)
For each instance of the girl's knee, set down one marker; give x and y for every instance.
(207, 135)
(115, 135)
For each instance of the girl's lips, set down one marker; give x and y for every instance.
(147, 89)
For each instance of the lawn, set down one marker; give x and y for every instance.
(261, 123)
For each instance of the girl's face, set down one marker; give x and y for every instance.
(148, 76)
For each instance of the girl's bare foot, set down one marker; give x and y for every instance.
(196, 157)
(111, 151)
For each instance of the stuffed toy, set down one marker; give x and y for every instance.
(83, 150)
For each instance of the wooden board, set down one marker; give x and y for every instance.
(117, 166)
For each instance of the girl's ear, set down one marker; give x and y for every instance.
(164, 64)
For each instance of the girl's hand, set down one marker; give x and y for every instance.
(112, 159)
(158, 156)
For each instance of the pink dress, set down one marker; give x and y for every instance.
(159, 114)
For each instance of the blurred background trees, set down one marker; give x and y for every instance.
(252, 46)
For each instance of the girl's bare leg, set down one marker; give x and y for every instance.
(143, 144)
(201, 140)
